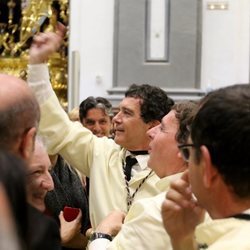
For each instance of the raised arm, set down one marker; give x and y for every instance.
(73, 141)
(42, 47)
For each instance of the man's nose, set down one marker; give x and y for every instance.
(48, 182)
(153, 131)
(117, 117)
(96, 128)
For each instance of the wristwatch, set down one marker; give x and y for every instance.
(97, 235)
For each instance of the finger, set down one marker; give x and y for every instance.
(60, 29)
(89, 232)
(79, 216)
(199, 210)
(80, 213)
(37, 41)
(168, 205)
(182, 185)
(185, 176)
(61, 217)
(61, 214)
(40, 38)
(178, 198)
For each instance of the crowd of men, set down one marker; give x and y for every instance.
(174, 175)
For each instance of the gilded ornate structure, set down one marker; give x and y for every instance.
(19, 22)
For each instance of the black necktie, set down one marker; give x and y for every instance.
(130, 162)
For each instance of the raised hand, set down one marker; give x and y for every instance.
(45, 44)
(181, 213)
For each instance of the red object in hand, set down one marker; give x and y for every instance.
(70, 213)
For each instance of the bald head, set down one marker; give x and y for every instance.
(12, 90)
(19, 112)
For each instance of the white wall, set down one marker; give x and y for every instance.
(92, 35)
(225, 46)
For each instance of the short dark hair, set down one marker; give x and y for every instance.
(184, 113)
(155, 103)
(222, 124)
(17, 118)
(94, 102)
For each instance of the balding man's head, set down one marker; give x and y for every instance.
(12, 90)
(19, 115)
(39, 180)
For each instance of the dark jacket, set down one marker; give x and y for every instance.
(43, 231)
(68, 191)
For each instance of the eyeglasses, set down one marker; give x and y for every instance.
(184, 149)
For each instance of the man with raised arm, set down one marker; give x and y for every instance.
(104, 160)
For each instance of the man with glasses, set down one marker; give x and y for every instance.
(184, 149)
(218, 176)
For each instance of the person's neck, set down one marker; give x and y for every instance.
(229, 208)
(138, 148)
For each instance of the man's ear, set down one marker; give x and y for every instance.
(209, 172)
(27, 145)
(153, 124)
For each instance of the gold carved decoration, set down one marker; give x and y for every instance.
(19, 22)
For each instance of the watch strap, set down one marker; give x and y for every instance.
(98, 235)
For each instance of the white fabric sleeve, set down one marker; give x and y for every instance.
(98, 244)
(39, 81)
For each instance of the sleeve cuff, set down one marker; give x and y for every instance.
(38, 72)
(99, 244)
(39, 81)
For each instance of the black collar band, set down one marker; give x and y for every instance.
(139, 152)
(241, 216)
